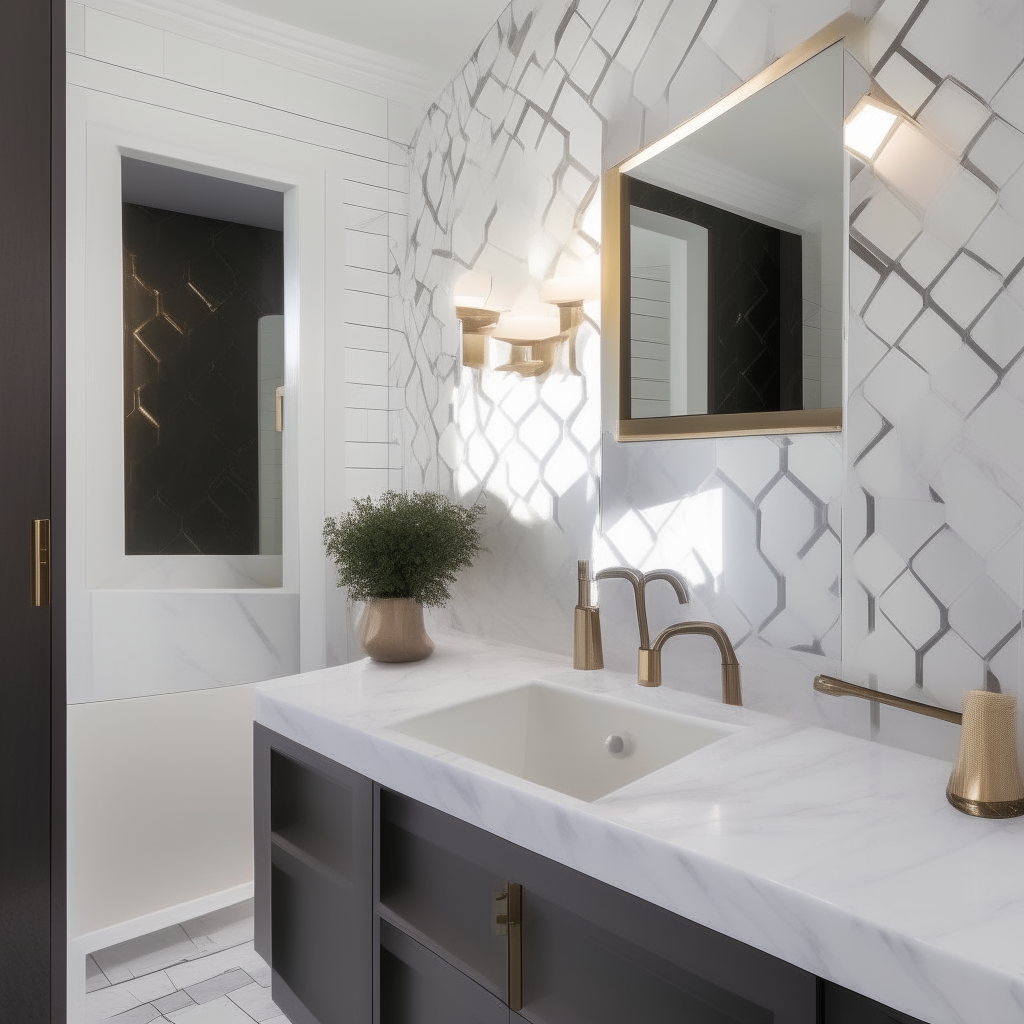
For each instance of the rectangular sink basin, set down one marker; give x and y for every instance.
(584, 745)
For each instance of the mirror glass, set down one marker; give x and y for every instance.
(203, 263)
(735, 243)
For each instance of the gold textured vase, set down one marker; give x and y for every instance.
(986, 778)
(391, 629)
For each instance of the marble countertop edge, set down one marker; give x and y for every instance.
(902, 969)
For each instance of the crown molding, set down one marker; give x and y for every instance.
(297, 48)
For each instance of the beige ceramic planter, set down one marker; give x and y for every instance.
(391, 629)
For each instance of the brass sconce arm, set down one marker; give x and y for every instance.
(478, 324)
(840, 688)
(570, 316)
(731, 692)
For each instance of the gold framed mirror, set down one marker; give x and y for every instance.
(724, 259)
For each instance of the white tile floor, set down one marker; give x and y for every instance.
(204, 971)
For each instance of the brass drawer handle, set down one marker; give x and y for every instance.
(515, 946)
(40, 563)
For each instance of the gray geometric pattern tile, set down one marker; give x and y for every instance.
(505, 178)
(947, 304)
(506, 171)
(216, 978)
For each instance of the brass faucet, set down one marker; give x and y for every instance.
(649, 656)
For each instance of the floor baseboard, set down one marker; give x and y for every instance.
(138, 926)
(80, 947)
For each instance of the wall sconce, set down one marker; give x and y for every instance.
(533, 340)
(569, 294)
(869, 126)
(478, 322)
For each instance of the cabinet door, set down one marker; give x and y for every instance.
(314, 882)
(590, 952)
(575, 971)
(418, 987)
(443, 890)
(841, 1006)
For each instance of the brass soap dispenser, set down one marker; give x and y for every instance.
(586, 631)
(986, 778)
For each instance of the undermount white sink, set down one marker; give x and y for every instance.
(584, 745)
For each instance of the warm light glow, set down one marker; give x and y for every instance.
(521, 330)
(578, 288)
(473, 289)
(868, 127)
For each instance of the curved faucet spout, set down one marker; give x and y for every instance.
(731, 693)
(672, 577)
(621, 572)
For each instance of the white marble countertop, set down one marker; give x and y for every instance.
(838, 855)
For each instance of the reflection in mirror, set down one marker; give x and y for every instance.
(203, 266)
(734, 236)
(669, 315)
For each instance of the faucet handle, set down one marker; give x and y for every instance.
(587, 652)
(672, 577)
(621, 572)
(636, 578)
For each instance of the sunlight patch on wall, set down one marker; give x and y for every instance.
(685, 534)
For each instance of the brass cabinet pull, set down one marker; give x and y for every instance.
(499, 924)
(515, 946)
(40, 563)
(279, 409)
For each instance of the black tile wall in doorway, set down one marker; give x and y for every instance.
(194, 289)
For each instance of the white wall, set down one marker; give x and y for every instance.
(160, 802)
(160, 781)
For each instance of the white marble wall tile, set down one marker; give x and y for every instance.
(905, 82)
(148, 642)
(502, 170)
(998, 151)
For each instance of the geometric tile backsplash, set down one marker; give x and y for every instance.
(194, 290)
(925, 485)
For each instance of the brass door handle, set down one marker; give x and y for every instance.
(279, 409)
(40, 563)
(515, 946)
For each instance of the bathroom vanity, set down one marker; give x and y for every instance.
(410, 867)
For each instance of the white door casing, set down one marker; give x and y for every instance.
(151, 624)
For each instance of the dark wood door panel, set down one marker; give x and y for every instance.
(32, 930)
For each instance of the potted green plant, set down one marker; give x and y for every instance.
(398, 554)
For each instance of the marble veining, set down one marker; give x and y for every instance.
(835, 854)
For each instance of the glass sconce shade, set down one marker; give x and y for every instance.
(527, 329)
(869, 125)
(473, 289)
(560, 291)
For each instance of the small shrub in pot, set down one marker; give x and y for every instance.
(399, 553)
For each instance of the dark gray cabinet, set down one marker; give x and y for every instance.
(841, 1006)
(372, 907)
(314, 881)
